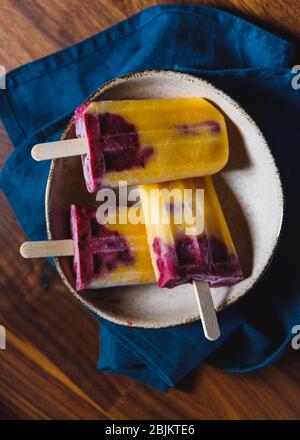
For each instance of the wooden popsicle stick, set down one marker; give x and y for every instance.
(58, 149)
(51, 248)
(206, 310)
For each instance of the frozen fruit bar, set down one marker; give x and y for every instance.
(108, 255)
(184, 252)
(151, 140)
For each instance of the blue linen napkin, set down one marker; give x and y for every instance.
(251, 65)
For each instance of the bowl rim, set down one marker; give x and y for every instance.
(155, 73)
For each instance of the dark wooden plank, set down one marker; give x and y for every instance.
(48, 369)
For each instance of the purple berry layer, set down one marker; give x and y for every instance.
(196, 258)
(97, 249)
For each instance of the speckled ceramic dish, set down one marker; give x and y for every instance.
(249, 188)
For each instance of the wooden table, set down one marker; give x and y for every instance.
(48, 370)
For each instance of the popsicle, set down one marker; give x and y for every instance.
(191, 250)
(144, 141)
(111, 254)
(104, 255)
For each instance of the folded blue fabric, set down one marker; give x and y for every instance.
(251, 65)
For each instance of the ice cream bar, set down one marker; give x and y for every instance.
(108, 255)
(193, 249)
(150, 140)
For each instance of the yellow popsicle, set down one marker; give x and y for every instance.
(108, 255)
(198, 247)
(150, 140)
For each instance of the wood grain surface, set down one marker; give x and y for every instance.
(48, 369)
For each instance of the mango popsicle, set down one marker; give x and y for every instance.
(150, 140)
(205, 253)
(108, 255)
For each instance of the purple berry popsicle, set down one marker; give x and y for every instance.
(150, 140)
(184, 252)
(108, 255)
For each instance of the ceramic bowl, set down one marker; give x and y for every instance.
(249, 188)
